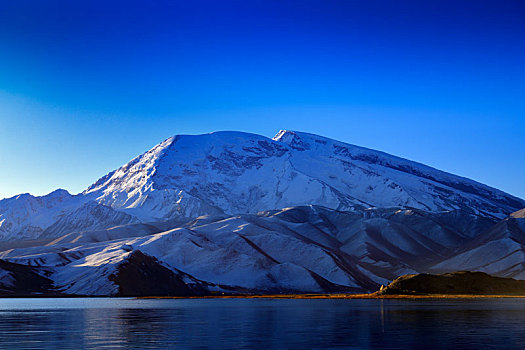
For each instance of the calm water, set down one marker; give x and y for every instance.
(260, 323)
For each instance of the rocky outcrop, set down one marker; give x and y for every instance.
(21, 280)
(142, 275)
(463, 282)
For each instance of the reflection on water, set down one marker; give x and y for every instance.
(258, 323)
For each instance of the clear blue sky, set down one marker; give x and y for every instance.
(87, 85)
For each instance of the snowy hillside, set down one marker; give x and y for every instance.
(300, 249)
(499, 250)
(26, 216)
(90, 216)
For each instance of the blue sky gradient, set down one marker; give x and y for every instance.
(85, 86)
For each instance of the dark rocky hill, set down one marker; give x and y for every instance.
(462, 282)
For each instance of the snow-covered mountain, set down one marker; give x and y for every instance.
(205, 214)
(234, 172)
(27, 216)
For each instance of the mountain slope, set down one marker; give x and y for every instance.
(233, 172)
(298, 249)
(499, 251)
(27, 216)
(90, 216)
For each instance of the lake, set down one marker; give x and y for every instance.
(116, 323)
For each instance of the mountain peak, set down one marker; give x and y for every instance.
(239, 172)
(294, 139)
(60, 192)
(281, 134)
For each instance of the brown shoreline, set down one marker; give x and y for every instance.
(340, 296)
